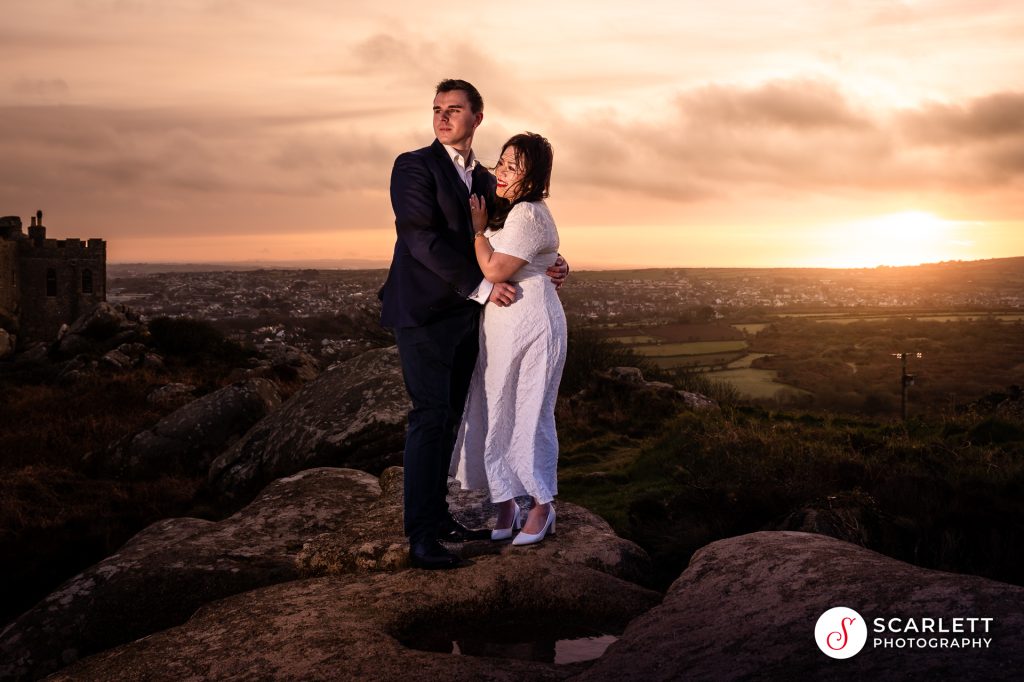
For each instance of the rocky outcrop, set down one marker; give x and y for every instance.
(102, 328)
(171, 395)
(852, 516)
(362, 614)
(336, 616)
(281, 362)
(344, 628)
(374, 541)
(746, 608)
(657, 391)
(622, 400)
(352, 415)
(186, 441)
(162, 575)
(289, 362)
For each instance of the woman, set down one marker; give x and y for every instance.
(507, 441)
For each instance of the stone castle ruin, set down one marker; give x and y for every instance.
(45, 283)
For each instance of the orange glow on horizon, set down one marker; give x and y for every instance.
(807, 134)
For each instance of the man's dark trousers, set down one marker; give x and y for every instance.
(437, 365)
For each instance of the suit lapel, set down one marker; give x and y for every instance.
(448, 170)
(483, 181)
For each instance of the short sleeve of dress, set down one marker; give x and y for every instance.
(524, 235)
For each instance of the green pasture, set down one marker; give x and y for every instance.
(696, 361)
(635, 340)
(833, 318)
(747, 360)
(756, 383)
(691, 348)
(923, 318)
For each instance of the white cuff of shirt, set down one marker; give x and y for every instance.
(482, 292)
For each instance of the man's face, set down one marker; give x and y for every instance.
(454, 120)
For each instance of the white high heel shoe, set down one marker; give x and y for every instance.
(532, 538)
(505, 533)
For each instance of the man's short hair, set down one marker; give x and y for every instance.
(476, 102)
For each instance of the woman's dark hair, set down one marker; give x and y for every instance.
(535, 157)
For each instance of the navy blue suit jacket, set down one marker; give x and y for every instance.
(434, 266)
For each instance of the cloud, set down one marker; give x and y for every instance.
(797, 136)
(990, 118)
(418, 64)
(40, 87)
(799, 104)
(163, 150)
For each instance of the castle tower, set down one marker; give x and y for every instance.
(54, 280)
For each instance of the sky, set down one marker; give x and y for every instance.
(847, 133)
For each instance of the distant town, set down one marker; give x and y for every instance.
(269, 305)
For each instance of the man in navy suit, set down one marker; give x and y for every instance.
(432, 300)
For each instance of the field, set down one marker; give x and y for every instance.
(720, 350)
(849, 318)
(699, 362)
(842, 360)
(693, 348)
(759, 384)
(850, 367)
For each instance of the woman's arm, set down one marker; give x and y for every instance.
(497, 267)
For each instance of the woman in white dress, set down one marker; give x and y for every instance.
(507, 441)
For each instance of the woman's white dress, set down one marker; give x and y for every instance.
(507, 441)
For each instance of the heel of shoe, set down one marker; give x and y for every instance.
(530, 539)
(499, 534)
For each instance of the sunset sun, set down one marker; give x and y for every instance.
(905, 238)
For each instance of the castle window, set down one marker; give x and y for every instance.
(86, 281)
(51, 282)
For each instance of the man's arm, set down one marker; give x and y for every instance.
(412, 197)
(558, 272)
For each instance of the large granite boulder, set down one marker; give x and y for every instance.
(171, 395)
(746, 608)
(362, 614)
(186, 441)
(351, 415)
(282, 363)
(99, 329)
(163, 574)
(374, 541)
(388, 626)
(289, 362)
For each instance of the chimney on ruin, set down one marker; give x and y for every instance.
(36, 231)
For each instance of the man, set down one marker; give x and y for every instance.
(432, 300)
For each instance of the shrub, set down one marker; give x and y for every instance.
(588, 353)
(194, 340)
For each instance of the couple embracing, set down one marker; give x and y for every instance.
(471, 296)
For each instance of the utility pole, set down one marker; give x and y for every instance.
(905, 379)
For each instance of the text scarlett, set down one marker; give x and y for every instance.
(939, 625)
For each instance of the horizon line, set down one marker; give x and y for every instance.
(374, 264)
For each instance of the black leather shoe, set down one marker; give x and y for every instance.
(431, 555)
(453, 531)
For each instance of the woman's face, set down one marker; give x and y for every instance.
(509, 172)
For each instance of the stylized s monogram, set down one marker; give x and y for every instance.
(844, 638)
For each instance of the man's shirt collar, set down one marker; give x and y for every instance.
(461, 161)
